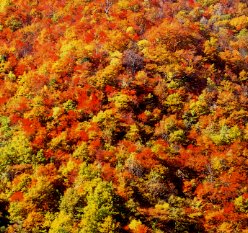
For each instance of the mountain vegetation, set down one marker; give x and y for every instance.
(123, 116)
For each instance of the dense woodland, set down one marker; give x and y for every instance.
(123, 116)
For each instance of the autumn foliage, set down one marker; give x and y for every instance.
(123, 116)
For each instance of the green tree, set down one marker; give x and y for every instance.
(100, 211)
(16, 150)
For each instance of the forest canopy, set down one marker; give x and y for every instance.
(123, 116)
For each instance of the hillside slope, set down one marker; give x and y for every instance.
(123, 116)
